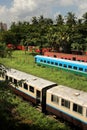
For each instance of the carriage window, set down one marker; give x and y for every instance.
(55, 56)
(15, 81)
(31, 89)
(10, 79)
(85, 70)
(6, 77)
(75, 67)
(52, 63)
(69, 66)
(20, 83)
(44, 61)
(56, 63)
(48, 62)
(25, 86)
(81, 69)
(65, 65)
(60, 64)
(77, 108)
(86, 112)
(65, 103)
(54, 99)
(41, 60)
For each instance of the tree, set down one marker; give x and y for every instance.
(42, 37)
(59, 20)
(48, 21)
(70, 19)
(85, 18)
(79, 22)
(4, 51)
(34, 20)
(8, 37)
(41, 20)
(42, 32)
(20, 31)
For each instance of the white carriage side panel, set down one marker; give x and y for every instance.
(22, 89)
(67, 111)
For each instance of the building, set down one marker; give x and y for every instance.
(3, 26)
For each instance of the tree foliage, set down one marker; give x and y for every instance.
(62, 34)
(4, 51)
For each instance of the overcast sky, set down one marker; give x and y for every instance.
(24, 10)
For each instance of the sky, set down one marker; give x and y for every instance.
(24, 10)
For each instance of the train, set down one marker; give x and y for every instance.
(62, 101)
(75, 67)
(74, 57)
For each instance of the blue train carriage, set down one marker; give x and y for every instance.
(72, 66)
(69, 104)
(31, 88)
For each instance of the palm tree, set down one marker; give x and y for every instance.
(41, 20)
(34, 20)
(59, 20)
(70, 19)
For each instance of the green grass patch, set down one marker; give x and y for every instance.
(15, 113)
(25, 62)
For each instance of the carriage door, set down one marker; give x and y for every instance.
(38, 94)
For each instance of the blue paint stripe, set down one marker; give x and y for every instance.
(66, 113)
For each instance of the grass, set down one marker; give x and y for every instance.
(25, 62)
(16, 114)
(22, 115)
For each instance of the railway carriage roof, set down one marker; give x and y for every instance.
(37, 82)
(63, 60)
(70, 94)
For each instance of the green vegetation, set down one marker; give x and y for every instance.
(63, 34)
(25, 62)
(4, 51)
(15, 114)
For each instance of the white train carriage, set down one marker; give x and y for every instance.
(31, 88)
(69, 104)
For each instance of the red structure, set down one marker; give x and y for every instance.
(11, 46)
(20, 47)
(74, 57)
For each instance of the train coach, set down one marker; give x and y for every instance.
(74, 57)
(64, 102)
(72, 66)
(68, 104)
(30, 87)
